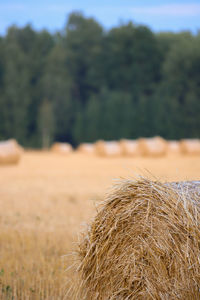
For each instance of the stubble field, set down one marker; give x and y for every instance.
(45, 202)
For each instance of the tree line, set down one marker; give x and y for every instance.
(86, 83)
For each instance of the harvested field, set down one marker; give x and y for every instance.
(45, 201)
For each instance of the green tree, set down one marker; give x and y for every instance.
(180, 89)
(56, 87)
(2, 60)
(16, 89)
(46, 124)
(110, 115)
(83, 45)
(132, 60)
(38, 55)
(124, 82)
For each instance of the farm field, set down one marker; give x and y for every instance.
(47, 199)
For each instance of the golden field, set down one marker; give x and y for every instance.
(47, 199)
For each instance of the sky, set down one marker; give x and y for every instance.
(165, 15)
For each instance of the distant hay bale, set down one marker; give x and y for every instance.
(10, 152)
(111, 148)
(86, 148)
(173, 147)
(190, 146)
(62, 148)
(129, 147)
(144, 243)
(155, 146)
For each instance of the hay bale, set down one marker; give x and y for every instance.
(111, 148)
(61, 148)
(129, 147)
(155, 146)
(86, 148)
(190, 146)
(10, 152)
(144, 243)
(173, 147)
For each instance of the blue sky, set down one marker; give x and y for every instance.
(52, 14)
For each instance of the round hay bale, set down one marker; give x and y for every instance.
(155, 146)
(144, 243)
(10, 152)
(173, 147)
(129, 147)
(190, 146)
(62, 148)
(111, 148)
(86, 148)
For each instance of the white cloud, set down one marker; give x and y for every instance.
(184, 10)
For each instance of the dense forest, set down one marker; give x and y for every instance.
(86, 83)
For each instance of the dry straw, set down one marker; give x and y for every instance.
(173, 147)
(62, 148)
(129, 147)
(190, 146)
(86, 148)
(109, 148)
(10, 152)
(155, 146)
(144, 243)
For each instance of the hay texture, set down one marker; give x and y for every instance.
(86, 148)
(190, 146)
(144, 243)
(173, 147)
(155, 146)
(10, 152)
(62, 148)
(130, 147)
(111, 148)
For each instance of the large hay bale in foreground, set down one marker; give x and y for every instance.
(86, 148)
(144, 243)
(155, 146)
(129, 147)
(62, 148)
(10, 152)
(173, 147)
(110, 148)
(190, 146)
